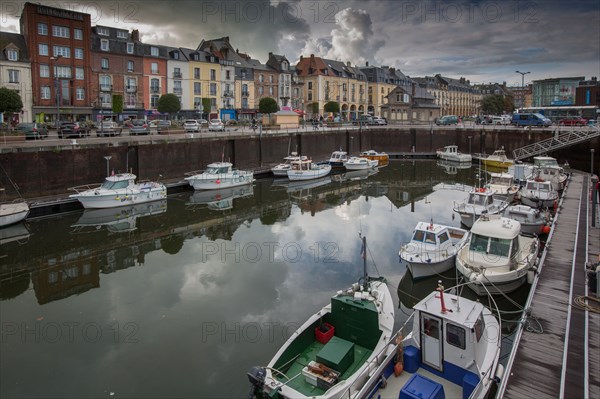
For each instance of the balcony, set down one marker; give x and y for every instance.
(245, 94)
(130, 89)
(228, 93)
(134, 105)
(177, 90)
(176, 75)
(106, 105)
(154, 89)
(197, 76)
(104, 87)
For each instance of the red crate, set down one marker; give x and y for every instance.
(324, 337)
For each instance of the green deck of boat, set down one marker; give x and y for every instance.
(298, 382)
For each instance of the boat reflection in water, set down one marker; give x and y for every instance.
(354, 175)
(220, 199)
(450, 167)
(117, 220)
(16, 232)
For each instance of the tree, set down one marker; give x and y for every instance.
(493, 104)
(10, 101)
(206, 105)
(169, 103)
(332, 106)
(267, 105)
(117, 104)
(315, 108)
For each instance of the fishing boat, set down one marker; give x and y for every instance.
(451, 153)
(496, 256)
(449, 348)
(479, 201)
(13, 212)
(360, 163)
(547, 168)
(338, 158)
(533, 221)
(119, 190)
(117, 220)
(538, 194)
(305, 169)
(498, 159)
(432, 249)
(219, 175)
(282, 168)
(503, 186)
(373, 155)
(333, 354)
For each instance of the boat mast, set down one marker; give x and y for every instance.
(364, 255)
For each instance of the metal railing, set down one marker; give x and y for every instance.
(560, 140)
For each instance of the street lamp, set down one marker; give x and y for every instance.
(522, 86)
(56, 86)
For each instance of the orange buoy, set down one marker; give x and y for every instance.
(398, 369)
(546, 229)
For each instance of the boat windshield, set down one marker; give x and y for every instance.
(217, 170)
(499, 246)
(546, 162)
(479, 243)
(114, 185)
(444, 237)
(478, 199)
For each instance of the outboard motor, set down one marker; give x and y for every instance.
(256, 376)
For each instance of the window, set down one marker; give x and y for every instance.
(12, 55)
(260, 91)
(129, 66)
(309, 96)
(309, 85)
(44, 71)
(130, 100)
(261, 78)
(197, 102)
(271, 90)
(104, 63)
(154, 67)
(270, 78)
(154, 51)
(213, 102)
(154, 85)
(213, 89)
(79, 73)
(13, 76)
(227, 75)
(102, 31)
(104, 44)
(478, 243)
(197, 88)
(130, 83)
(45, 92)
(62, 51)
(60, 31)
(154, 101)
(122, 34)
(431, 327)
(499, 246)
(43, 49)
(42, 29)
(106, 99)
(455, 336)
(177, 86)
(62, 71)
(444, 237)
(196, 73)
(105, 83)
(80, 93)
(78, 34)
(79, 53)
(213, 74)
(130, 48)
(479, 327)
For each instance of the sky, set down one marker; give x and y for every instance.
(483, 41)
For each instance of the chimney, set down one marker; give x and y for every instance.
(226, 39)
(270, 54)
(504, 84)
(348, 64)
(312, 56)
(135, 35)
(594, 79)
(301, 58)
(414, 89)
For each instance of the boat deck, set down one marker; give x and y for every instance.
(395, 384)
(553, 361)
(298, 382)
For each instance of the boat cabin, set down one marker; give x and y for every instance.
(218, 168)
(119, 181)
(451, 149)
(533, 185)
(431, 234)
(302, 164)
(546, 162)
(501, 179)
(338, 157)
(481, 197)
(494, 237)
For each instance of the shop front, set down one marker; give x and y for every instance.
(49, 115)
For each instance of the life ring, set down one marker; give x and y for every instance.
(481, 190)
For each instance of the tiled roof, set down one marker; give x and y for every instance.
(18, 40)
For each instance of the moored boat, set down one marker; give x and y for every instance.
(123, 219)
(548, 169)
(338, 158)
(533, 221)
(219, 175)
(503, 186)
(498, 159)
(360, 163)
(496, 256)
(305, 169)
(479, 201)
(282, 168)
(451, 153)
(13, 212)
(334, 353)
(432, 249)
(119, 190)
(538, 194)
(373, 155)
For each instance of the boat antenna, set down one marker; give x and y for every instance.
(11, 182)
(363, 254)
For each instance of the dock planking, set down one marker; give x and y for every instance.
(537, 371)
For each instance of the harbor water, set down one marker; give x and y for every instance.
(180, 298)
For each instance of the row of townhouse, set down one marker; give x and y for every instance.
(64, 68)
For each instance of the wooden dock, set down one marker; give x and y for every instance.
(552, 359)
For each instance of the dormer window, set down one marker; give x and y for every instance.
(12, 55)
(121, 34)
(154, 51)
(103, 31)
(284, 66)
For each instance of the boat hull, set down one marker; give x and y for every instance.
(496, 164)
(280, 171)
(217, 182)
(323, 170)
(118, 199)
(13, 213)
(537, 202)
(421, 270)
(357, 166)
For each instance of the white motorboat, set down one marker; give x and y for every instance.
(334, 353)
(479, 201)
(497, 160)
(220, 199)
(452, 350)
(219, 175)
(282, 168)
(13, 212)
(533, 221)
(119, 190)
(548, 169)
(451, 153)
(305, 169)
(373, 155)
(496, 257)
(502, 186)
(538, 194)
(338, 158)
(432, 249)
(360, 163)
(122, 219)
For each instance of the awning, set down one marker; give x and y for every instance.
(300, 112)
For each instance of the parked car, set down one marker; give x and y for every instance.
(163, 126)
(379, 121)
(498, 120)
(73, 129)
(447, 120)
(530, 119)
(139, 126)
(108, 128)
(573, 121)
(364, 120)
(203, 123)
(33, 131)
(215, 125)
(191, 125)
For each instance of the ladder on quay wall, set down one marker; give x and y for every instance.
(560, 140)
